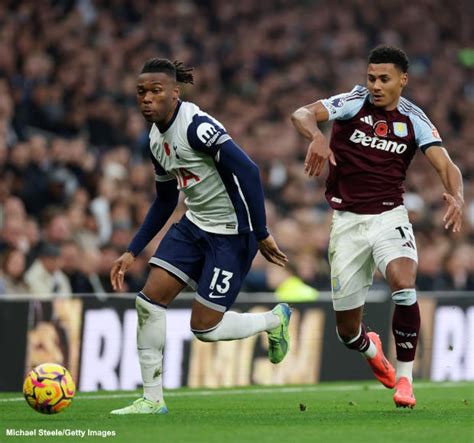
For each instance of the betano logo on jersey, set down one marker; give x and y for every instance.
(362, 138)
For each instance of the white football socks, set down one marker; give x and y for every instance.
(151, 336)
(371, 351)
(235, 326)
(405, 369)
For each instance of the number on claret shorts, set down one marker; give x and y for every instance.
(407, 234)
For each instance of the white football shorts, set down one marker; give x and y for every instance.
(360, 242)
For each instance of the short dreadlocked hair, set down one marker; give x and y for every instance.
(389, 54)
(175, 69)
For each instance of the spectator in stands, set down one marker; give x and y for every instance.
(12, 272)
(72, 73)
(45, 277)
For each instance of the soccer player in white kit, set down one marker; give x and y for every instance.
(375, 135)
(212, 247)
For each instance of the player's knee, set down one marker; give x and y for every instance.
(201, 325)
(345, 333)
(401, 283)
(204, 318)
(206, 335)
(404, 297)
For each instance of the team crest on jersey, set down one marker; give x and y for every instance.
(175, 148)
(335, 284)
(381, 128)
(400, 129)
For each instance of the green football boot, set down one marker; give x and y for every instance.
(279, 338)
(142, 406)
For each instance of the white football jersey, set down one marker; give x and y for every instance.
(188, 151)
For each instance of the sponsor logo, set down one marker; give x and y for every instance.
(435, 132)
(212, 295)
(400, 129)
(167, 148)
(381, 128)
(368, 119)
(336, 200)
(406, 345)
(388, 203)
(405, 334)
(360, 137)
(207, 133)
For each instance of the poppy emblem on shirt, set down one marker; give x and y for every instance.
(381, 128)
(400, 129)
(167, 148)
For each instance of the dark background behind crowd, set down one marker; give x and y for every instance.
(75, 177)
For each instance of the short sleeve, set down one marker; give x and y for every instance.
(426, 134)
(205, 134)
(346, 105)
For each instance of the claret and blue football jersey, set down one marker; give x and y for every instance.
(373, 149)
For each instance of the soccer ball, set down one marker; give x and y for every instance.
(49, 388)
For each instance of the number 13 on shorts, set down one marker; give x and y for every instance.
(224, 280)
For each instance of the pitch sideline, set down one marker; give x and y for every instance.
(269, 390)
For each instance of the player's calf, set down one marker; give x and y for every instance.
(369, 344)
(235, 326)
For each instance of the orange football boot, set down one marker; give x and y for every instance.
(380, 366)
(403, 396)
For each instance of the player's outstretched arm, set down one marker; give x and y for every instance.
(452, 180)
(305, 120)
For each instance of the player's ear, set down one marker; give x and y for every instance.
(404, 79)
(176, 91)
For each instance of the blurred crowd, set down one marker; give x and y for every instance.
(75, 176)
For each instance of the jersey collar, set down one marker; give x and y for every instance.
(175, 114)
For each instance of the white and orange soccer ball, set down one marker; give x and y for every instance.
(49, 388)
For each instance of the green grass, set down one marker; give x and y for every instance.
(335, 412)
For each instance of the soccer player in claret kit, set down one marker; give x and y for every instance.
(213, 245)
(375, 135)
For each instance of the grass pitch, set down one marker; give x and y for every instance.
(328, 412)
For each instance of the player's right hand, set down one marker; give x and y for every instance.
(271, 252)
(318, 152)
(119, 268)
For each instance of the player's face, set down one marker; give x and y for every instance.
(157, 95)
(385, 83)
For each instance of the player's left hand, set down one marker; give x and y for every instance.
(119, 268)
(271, 252)
(453, 215)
